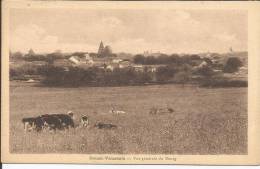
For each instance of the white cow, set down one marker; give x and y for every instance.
(113, 111)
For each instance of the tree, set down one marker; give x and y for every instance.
(150, 60)
(50, 59)
(107, 51)
(205, 71)
(174, 58)
(139, 59)
(165, 73)
(182, 77)
(232, 65)
(195, 57)
(183, 73)
(16, 55)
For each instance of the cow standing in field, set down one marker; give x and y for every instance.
(58, 121)
(65, 120)
(49, 121)
(28, 123)
(84, 121)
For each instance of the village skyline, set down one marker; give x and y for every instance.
(145, 52)
(129, 31)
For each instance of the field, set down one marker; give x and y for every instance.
(205, 121)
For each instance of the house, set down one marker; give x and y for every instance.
(243, 70)
(75, 60)
(124, 64)
(89, 60)
(112, 66)
(203, 64)
(62, 63)
(117, 60)
(79, 61)
(154, 54)
(138, 68)
(152, 68)
(196, 62)
(39, 63)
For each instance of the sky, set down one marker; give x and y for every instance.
(128, 30)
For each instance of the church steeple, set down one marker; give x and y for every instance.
(100, 49)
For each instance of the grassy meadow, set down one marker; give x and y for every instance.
(205, 121)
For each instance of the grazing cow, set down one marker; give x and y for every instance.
(70, 113)
(40, 123)
(28, 123)
(101, 125)
(52, 122)
(65, 120)
(84, 121)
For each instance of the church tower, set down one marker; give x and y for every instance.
(100, 50)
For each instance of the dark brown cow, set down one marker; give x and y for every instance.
(101, 125)
(48, 121)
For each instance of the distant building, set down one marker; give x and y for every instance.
(138, 68)
(62, 63)
(116, 60)
(104, 51)
(155, 54)
(89, 60)
(203, 64)
(152, 68)
(100, 50)
(112, 66)
(208, 55)
(74, 59)
(124, 64)
(39, 63)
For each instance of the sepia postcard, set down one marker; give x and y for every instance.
(121, 82)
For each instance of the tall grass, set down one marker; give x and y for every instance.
(204, 122)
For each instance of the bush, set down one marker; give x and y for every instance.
(139, 59)
(35, 57)
(162, 59)
(223, 83)
(205, 71)
(74, 76)
(16, 55)
(182, 77)
(165, 73)
(232, 65)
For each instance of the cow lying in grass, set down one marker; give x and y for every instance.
(101, 125)
(161, 110)
(49, 121)
(113, 111)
